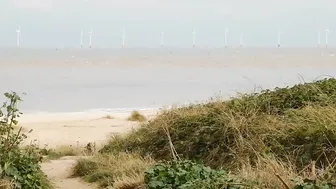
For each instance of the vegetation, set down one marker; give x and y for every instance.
(185, 175)
(61, 151)
(19, 167)
(137, 116)
(121, 171)
(108, 117)
(285, 138)
(227, 134)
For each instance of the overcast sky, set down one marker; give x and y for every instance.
(58, 23)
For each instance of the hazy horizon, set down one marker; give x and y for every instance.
(58, 24)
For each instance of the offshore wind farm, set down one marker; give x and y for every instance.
(200, 69)
(225, 34)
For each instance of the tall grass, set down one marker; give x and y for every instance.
(273, 138)
(295, 124)
(121, 171)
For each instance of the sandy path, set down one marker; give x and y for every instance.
(58, 171)
(54, 130)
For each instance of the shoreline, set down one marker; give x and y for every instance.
(43, 116)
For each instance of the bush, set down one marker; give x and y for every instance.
(296, 123)
(188, 175)
(321, 92)
(20, 165)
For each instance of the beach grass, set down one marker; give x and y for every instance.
(136, 116)
(272, 137)
(108, 117)
(61, 151)
(121, 170)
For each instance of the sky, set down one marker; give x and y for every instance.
(58, 23)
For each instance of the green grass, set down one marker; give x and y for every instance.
(296, 123)
(263, 136)
(137, 116)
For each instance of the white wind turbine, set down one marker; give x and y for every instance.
(18, 36)
(327, 33)
(318, 38)
(161, 40)
(90, 38)
(225, 37)
(194, 38)
(241, 39)
(279, 38)
(81, 39)
(123, 32)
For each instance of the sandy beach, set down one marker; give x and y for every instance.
(53, 130)
(76, 129)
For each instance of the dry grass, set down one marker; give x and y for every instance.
(268, 138)
(295, 124)
(137, 116)
(107, 117)
(62, 151)
(267, 171)
(121, 171)
(6, 184)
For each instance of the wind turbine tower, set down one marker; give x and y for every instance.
(90, 38)
(18, 33)
(225, 37)
(241, 39)
(123, 32)
(81, 39)
(327, 33)
(194, 38)
(161, 40)
(279, 38)
(318, 38)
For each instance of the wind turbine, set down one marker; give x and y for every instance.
(327, 32)
(318, 38)
(194, 38)
(81, 40)
(18, 33)
(123, 32)
(279, 38)
(90, 38)
(161, 40)
(241, 39)
(225, 37)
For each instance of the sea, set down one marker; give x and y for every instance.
(117, 80)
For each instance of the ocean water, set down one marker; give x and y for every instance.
(77, 80)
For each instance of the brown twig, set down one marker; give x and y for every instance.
(313, 171)
(283, 182)
(171, 145)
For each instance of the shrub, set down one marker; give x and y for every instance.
(137, 116)
(20, 165)
(188, 175)
(321, 92)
